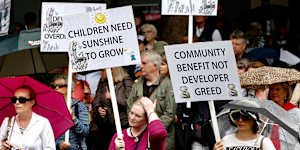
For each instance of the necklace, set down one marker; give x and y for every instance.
(136, 139)
(22, 130)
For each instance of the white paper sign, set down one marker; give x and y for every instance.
(102, 39)
(190, 7)
(4, 16)
(53, 37)
(203, 71)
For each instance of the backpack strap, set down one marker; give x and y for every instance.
(261, 143)
(8, 128)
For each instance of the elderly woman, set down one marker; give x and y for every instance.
(281, 93)
(246, 136)
(26, 130)
(145, 131)
(150, 33)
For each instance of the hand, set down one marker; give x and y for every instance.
(107, 95)
(219, 146)
(102, 111)
(64, 145)
(148, 105)
(120, 144)
(72, 114)
(6, 145)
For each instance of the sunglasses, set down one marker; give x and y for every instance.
(54, 86)
(236, 115)
(21, 100)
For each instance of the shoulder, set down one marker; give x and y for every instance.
(40, 118)
(267, 143)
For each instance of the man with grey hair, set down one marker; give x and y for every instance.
(239, 43)
(158, 88)
(150, 33)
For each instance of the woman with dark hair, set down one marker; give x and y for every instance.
(246, 136)
(26, 130)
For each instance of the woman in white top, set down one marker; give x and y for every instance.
(27, 130)
(246, 136)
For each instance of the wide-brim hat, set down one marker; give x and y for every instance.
(264, 76)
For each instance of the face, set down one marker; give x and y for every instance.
(60, 86)
(147, 67)
(238, 47)
(277, 94)
(245, 125)
(137, 116)
(23, 107)
(164, 69)
(148, 34)
(200, 20)
(243, 122)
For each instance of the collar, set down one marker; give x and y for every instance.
(289, 106)
(157, 81)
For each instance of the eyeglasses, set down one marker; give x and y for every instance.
(21, 100)
(146, 32)
(236, 115)
(54, 86)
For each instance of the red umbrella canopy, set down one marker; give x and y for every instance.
(50, 104)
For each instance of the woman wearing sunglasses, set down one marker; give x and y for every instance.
(247, 136)
(26, 130)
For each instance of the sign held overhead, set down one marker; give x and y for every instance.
(102, 39)
(203, 71)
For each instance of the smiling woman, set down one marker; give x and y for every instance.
(26, 125)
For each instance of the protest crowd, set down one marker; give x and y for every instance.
(149, 116)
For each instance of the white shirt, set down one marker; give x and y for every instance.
(230, 142)
(37, 136)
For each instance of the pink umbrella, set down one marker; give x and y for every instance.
(50, 104)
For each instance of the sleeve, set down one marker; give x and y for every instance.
(157, 131)
(268, 145)
(168, 116)
(216, 36)
(100, 95)
(59, 140)
(48, 139)
(112, 145)
(3, 130)
(125, 90)
(82, 123)
(132, 97)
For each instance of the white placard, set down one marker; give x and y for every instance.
(203, 71)
(102, 39)
(189, 7)
(4, 16)
(53, 37)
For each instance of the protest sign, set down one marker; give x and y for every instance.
(102, 39)
(4, 16)
(203, 71)
(190, 7)
(53, 37)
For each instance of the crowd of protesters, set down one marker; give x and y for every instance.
(147, 108)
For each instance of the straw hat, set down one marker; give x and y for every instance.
(264, 76)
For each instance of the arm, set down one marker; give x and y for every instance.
(81, 124)
(112, 145)
(48, 137)
(132, 97)
(169, 114)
